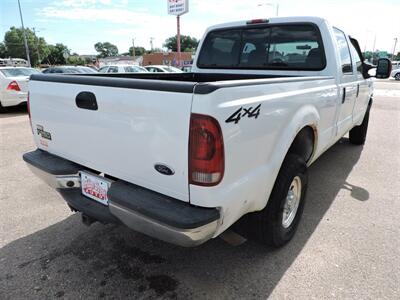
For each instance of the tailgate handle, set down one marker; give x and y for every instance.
(86, 100)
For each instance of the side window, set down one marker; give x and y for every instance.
(344, 50)
(357, 58)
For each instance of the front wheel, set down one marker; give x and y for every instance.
(358, 134)
(277, 223)
(397, 76)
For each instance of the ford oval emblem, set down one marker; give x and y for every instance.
(163, 169)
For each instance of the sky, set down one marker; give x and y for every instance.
(80, 24)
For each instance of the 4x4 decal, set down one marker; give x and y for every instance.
(243, 112)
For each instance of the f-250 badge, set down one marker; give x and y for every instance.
(242, 112)
(44, 134)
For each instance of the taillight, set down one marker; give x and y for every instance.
(13, 86)
(206, 151)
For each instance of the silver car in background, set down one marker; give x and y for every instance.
(122, 69)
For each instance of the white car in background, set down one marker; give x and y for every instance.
(122, 69)
(162, 69)
(14, 85)
(395, 70)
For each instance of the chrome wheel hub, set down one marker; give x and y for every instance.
(292, 202)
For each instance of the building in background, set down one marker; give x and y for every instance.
(167, 58)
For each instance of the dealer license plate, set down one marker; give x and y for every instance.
(95, 187)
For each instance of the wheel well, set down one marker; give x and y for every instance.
(303, 143)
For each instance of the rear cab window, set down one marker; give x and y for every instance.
(267, 47)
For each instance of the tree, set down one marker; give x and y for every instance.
(76, 60)
(106, 49)
(56, 54)
(3, 51)
(139, 51)
(188, 43)
(15, 47)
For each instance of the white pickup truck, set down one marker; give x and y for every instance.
(183, 157)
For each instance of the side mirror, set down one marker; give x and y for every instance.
(383, 68)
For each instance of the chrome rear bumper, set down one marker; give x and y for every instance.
(142, 210)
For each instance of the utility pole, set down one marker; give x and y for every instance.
(133, 49)
(24, 34)
(37, 44)
(394, 48)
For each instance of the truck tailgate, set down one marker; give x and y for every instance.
(131, 131)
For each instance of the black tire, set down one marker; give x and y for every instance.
(358, 134)
(2, 108)
(266, 226)
(397, 76)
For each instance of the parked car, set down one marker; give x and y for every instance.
(187, 69)
(14, 85)
(69, 70)
(162, 69)
(183, 157)
(395, 70)
(13, 62)
(122, 69)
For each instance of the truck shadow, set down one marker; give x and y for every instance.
(70, 260)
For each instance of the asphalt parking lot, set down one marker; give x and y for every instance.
(347, 245)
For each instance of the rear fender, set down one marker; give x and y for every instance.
(306, 116)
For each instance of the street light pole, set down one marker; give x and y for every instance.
(24, 34)
(394, 48)
(133, 49)
(37, 45)
(373, 47)
(151, 44)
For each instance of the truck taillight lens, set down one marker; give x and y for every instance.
(206, 151)
(13, 86)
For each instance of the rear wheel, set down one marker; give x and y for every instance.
(397, 76)
(277, 223)
(2, 108)
(358, 134)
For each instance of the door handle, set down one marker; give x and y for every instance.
(358, 90)
(86, 100)
(344, 95)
